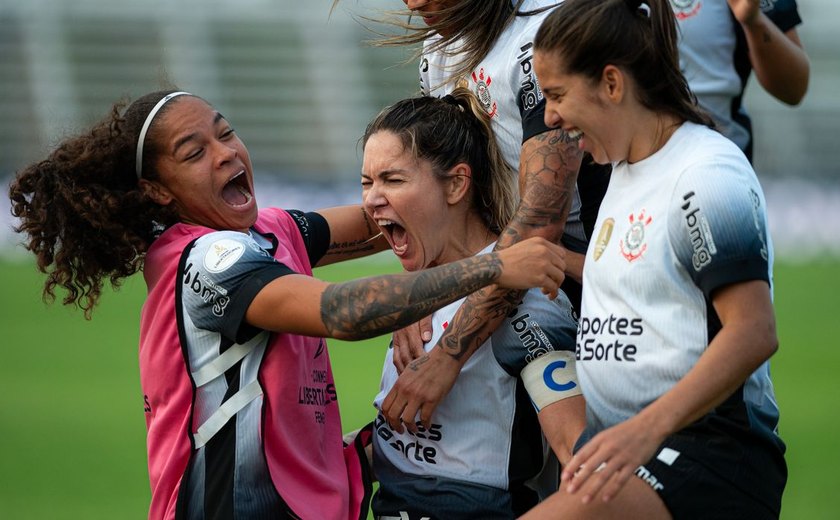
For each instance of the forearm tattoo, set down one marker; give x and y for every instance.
(549, 168)
(476, 320)
(350, 247)
(355, 246)
(549, 173)
(370, 307)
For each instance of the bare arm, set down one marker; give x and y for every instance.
(747, 339)
(352, 234)
(549, 165)
(574, 265)
(778, 59)
(372, 306)
(562, 423)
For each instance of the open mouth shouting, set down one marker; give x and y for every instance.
(395, 234)
(237, 191)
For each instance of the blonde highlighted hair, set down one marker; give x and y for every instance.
(451, 130)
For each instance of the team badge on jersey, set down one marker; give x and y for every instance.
(603, 237)
(633, 246)
(482, 91)
(222, 254)
(686, 8)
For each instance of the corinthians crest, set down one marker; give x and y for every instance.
(685, 8)
(482, 91)
(633, 246)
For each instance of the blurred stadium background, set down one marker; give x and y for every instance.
(300, 84)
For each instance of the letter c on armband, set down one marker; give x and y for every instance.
(551, 383)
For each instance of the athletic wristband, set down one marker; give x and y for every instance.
(551, 378)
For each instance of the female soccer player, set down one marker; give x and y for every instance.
(240, 402)
(487, 46)
(435, 182)
(677, 323)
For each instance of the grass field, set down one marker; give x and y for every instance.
(71, 411)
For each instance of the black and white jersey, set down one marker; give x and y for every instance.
(506, 84)
(485, 440)
(672, 228)
(714, 58)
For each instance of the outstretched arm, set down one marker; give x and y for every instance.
(548, 170)
(352, 234)
(778, 59)
(370, 307)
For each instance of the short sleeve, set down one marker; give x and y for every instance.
(535, 327)
(533, 120)
(221, 274)
(718, 225)
(783, 13)
(529, 97)
(315, 231)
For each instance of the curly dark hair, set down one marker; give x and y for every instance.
(85, 217)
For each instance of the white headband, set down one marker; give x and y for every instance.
(142, 138)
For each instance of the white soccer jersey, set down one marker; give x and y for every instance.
(485, 440)
(507, 86)
(672, 228)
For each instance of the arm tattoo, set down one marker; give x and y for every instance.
(370, 307)
(417, 363)
(368, 223)
(549, 168)
(473, 324)
(355, 246)
(345, 248)
(557, 137)
(549, 173)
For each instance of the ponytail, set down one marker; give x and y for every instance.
(494, 190)
(641, 40)
(451, 130)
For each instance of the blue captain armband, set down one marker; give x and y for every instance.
(551, 378)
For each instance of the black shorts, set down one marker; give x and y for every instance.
(717, 470)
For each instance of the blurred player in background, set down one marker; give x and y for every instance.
(722, 42)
